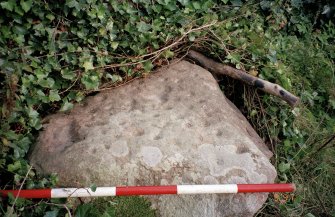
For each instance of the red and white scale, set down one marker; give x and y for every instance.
(149, 190)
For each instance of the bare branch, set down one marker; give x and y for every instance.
(241, 75)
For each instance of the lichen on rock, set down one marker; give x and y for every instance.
(173, 127)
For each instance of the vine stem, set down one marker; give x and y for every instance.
(158, 52)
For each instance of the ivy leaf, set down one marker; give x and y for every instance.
(47, 83)
(234, 58)
(32, 113)
(332, 103)
(14, 167)
(88, 65)
(85, 210)
(50, 17)
(114, 45)
(34, 120)
(191, 37)
(265, 5)
(90, 81)
(11, 135)
(2, 61)
(8, 5)
(53, 213)
(283, 167)
(73, 4)
(54, 96)
(168, 54)
(27, 68)
(196, 5)
(110, 25)
(143, 27)
(147, 66)
(296, 3)
(101, 11)
(24, 143)
(237, 3)
(114, 77)
(184, 2)
(26, 5)
(68, 74)
(19, 30)
(93, 187)
(66, 106)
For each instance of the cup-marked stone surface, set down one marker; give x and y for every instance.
(173, 127)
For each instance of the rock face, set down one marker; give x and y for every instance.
(173, 127)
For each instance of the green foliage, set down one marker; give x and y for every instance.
(303, 63)
(52, 54)
(116, 206)
(301, 133)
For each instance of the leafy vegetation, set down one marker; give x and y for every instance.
(116, 206)
(54, 53)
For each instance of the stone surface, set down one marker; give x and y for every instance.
(173, 127)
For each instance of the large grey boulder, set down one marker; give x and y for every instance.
(173, 127)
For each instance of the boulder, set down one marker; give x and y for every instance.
(172, 127)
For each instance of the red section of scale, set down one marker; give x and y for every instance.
(36, 193)
(154, 190)
(250, 188)
(146, 190)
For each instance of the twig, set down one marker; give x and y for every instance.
(17, 196)
(67, 89)
(117, 65)
(156, 53)
(221, 42)
(266, 125)
(320, 202)
(180, 39)
(113, 87)
(326, 143)
(3, 211)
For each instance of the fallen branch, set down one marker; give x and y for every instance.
(266, 86)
